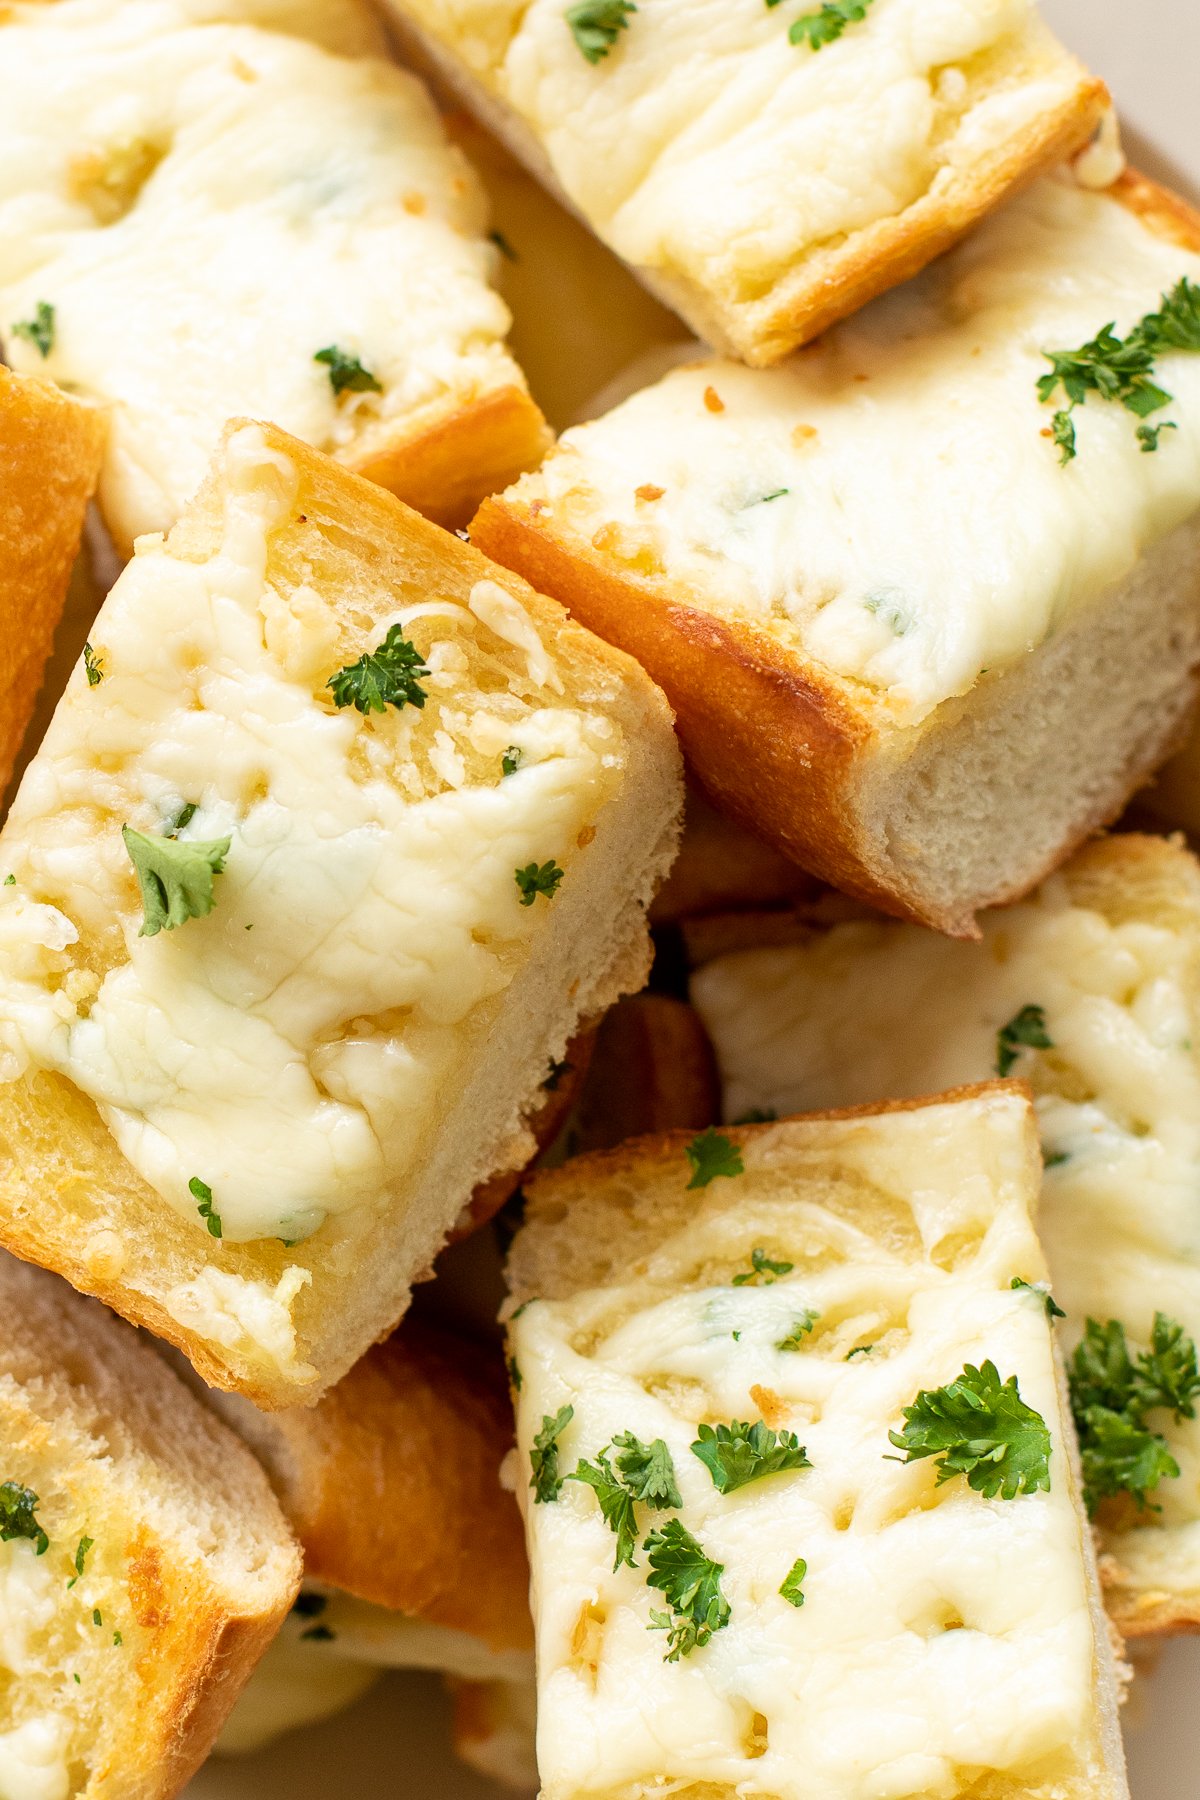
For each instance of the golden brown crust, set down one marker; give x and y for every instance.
(392, 1484)
(653, 1070)
(447, 466)
(1158, 208)
(50, 452)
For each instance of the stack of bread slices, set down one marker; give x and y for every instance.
(588, 1102)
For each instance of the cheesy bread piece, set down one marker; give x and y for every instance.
(308, 892)
(144, 1563)
(909, 638)
(765, 184)
(50, 451)
(202, 218)
(751, 1573)
(1091, 992)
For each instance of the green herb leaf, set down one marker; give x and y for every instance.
(597, 24)
(739, 1453)
(1026, 1028)
(1120, 369)
(38, 331)
(202, 1194)
(92, 666)
(980, 1427)
(799, 1331)
(860, 1350)
(346, 373)
(712, 1155)
(1148, 435)
(10, 880)
(691, 1582)
(97, 1617)
(647, 1470)
(757, 1115)
(510, 762)
(85, 1544)
(827, 24)
(762, 1271)
(616, 1505)
(18, 1517)
(543, 1458)
(1062, 433)
(775, 494)
(1120, 1456)
(514, 1374)
(535, 879)
(1112, 1392)
(186, 814)
(389, 675)
(1053, 1309)
(175, 877)
(791, 1589)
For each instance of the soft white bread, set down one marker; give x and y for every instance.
(762, 188)
(167, 1569)
(206, 205)
(947, 1641)
(253, 1131)
(1109, 951)
(50, 451)
(903, 642)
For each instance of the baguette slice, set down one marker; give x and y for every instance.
(206, 205)
(167, 1570)
(904, 644)
(50, 451)
(1109, 950)
(253, 1131)
(948, 1641)
(740, 174)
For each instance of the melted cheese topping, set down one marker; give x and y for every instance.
(33, 1753)
(208, 205)
(712, 148)
(940, 1631)
(873, 1009)
(292, 1049)
(801, 499)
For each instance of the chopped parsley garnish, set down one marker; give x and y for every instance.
(186, 814)
(550, 1083)
(118, 1640)
(597, 24)
(346, 373)
(175, 877)
(18, 1516)
(1120, 369)
(761, 1269)
(791, 1589)
(1025, 1029)
(739, 1453)
(503, 246)
(389, 675)
(38, 331)
(85, 1544)
(980, 1427)
(1053, 1309)
(514, 1374)
(1054, 1158)
(860, 1350)
(202, 1194)
(543, 1458)
(92, 666)
(799, 1331)
(616, 1505)
(643, 1472)
(775, 494)
(691, 1582)
(1111, 1394)
(647, 1470)
(757, 1115)
(97, 1617)
(510, 762)
(712, 1155)
(827, 24)
(538, 878)
(10, 880)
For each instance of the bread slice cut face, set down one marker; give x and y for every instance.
(766, 185)
(144, 1563)
(1091, 992)
(752, 1572)
(309, 890)
(207, 208)
(905, 641)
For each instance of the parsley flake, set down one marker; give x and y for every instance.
(827, 24)
(799, 1331)
(761, 1266)
(860, 1350)
(18, 1516)
(38, 331)
(183, 819)
(514, 1374)
(597, 24)
(10, 880)
(712, 1155)
(92, 666)
(980, 1427)
(202, 1194)
(1040, 1288)
(647, 1470)
(535, 879)
(616, 1505)
(97, 1617)
(389, 675)
(118, 1640)
(510, 762)
(643, 1472)
(791, 1588)
(85, 1544)
(1111, 1394)
(346, 373)
(543, 1457)
(691, 1582)
(739, 1453)
(1026, 1028)
(175, 877)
